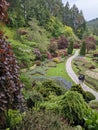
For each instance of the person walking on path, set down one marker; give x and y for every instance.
(81, 78)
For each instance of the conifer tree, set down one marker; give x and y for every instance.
(70, 48)
(83, 49)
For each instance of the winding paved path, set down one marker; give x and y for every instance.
(74, 77)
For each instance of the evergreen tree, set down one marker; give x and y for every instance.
(70, 48)
(83, 49)
(66, 14)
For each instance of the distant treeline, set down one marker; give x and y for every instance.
(22, 11)
(93, 26)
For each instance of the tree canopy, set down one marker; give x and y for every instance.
(44, 11)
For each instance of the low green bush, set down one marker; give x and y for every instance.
(74, 108)
(52, 104)
(33, 98)
(26, 80)
(41, 120)
(71, 106)
(13, 117)
(86, 95)
(93, 104)
(52, 86)
(79, 89)
(57, 60)
(91, 120)
(39, 70)
(89, 96)
(51, 64)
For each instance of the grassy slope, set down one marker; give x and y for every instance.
(22, 46)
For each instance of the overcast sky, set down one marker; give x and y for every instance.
(89, 7)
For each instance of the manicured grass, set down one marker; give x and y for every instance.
(59, 71)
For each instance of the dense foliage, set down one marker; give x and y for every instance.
(74, 108)
(62, 42)
(41, 34)
(47, 13)
(86, 95)
(83, 49)
(70, 48)
(90, 42)
(93, 26)
(41, 120)
(10, 86)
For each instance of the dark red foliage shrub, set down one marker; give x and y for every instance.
(10, 86)
(3, 10)
(49, 56)
(76, 45)
(62, 53)
(90, 43)
(52, 47)
(62, 42)
(37, 54)
(90, 39)
(65, 52)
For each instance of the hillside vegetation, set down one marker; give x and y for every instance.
(93, 26)
(36, 93)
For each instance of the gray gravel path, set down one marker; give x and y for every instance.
(74, 77)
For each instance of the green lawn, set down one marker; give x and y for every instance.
(59, 71)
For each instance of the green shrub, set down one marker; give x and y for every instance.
(52, 47)
(38, 70)
(91, 121)
(86, 95)
(13, 117)
(93, 104)
(70, 48)
(51, 64)
(89, 96)
(40, 120)
(83, 49)
(74, 108)
(26, 80)
(52, 104)
(33, 98)
(51, 86)
(79, 89)
(57, 60)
